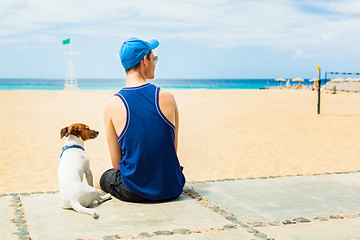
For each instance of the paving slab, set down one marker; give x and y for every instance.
(283, 198)
(233, 234)
(7, 228)
(343, 229)
(46, 220)
(314, 207)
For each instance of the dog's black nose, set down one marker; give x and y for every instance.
(97, 132)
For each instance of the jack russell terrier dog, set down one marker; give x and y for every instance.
(73, 164)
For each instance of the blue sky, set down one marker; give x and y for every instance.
(198, 39)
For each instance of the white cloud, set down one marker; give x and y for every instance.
(308, 28)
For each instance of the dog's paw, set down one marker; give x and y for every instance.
(104, 198)
(107, 196)
(95, 214)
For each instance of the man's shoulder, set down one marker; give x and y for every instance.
(114, 103)
(166, 95)
(166, 98)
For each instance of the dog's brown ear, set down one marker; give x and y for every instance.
(74, 130)
(63, 132)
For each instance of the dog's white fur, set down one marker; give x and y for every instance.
(73, 193)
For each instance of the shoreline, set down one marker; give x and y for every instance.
(232, 133)
(329, 89)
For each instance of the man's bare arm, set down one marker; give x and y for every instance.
(169, 109)
(111, 136)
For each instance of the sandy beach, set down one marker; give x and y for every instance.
(223, 134)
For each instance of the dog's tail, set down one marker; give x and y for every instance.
(81, 209)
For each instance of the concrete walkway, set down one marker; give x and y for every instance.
(325, 206)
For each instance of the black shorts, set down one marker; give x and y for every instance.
(110, 182)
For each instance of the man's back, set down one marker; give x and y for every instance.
(149, 165)
(115, 110)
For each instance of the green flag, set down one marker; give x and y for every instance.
(66, 41)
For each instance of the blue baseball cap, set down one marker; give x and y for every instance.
(134, 50)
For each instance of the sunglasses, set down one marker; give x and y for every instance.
(155, 58)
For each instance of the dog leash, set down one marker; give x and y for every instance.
(68, 147)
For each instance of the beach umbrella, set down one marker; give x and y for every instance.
(280, 80)
(297, 80)
(315, 80)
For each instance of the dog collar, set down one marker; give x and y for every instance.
(68, 147)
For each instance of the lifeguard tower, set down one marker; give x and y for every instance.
(71, 82)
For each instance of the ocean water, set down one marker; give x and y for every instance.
(115, 84)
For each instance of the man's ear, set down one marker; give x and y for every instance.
(145, 60)
(63, 132)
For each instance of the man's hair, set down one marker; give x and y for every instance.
(138, 65)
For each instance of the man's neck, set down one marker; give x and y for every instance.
(135, 79)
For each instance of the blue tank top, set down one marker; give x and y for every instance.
(149, 165)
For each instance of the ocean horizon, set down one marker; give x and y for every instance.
(115, 84)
